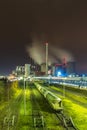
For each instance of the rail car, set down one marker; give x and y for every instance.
(54, 101)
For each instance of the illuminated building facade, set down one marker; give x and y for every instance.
(20, 70)
(27, 70)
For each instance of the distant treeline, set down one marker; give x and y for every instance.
(4, 80)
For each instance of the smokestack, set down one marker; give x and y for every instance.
(46, 58)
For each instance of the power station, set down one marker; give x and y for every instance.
(62, 68)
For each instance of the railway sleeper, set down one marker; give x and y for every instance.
(36, 113)
(11, 120)
(38, 121)
(68, 123)
(72, 123)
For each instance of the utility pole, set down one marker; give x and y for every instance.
(63, 91)
(46, 59)
(24, 97)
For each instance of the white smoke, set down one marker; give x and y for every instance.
(61, 54)
(38, 53)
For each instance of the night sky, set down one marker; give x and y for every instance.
(61, 23)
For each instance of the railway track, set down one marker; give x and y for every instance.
(43, 120)
(42, 115)
(37, 115)
(66, 122)
(10, 114)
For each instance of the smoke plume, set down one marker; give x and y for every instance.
(61, 54)
(55, 55)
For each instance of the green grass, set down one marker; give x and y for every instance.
(75, 105)
(77, 112)
(24, 119)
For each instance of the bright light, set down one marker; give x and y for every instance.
(70, 75)
(59, 73)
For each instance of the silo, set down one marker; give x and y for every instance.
(27, 70)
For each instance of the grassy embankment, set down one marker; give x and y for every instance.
(75, 104)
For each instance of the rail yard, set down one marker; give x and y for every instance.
(41, 106)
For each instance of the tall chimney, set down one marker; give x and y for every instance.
(46, 59)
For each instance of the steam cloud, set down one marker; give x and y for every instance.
(38, 53)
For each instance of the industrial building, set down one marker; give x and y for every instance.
(70, 69)
(56, 69)
(63, 69)
(27, 70)
(43, 68)
(20, 70)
